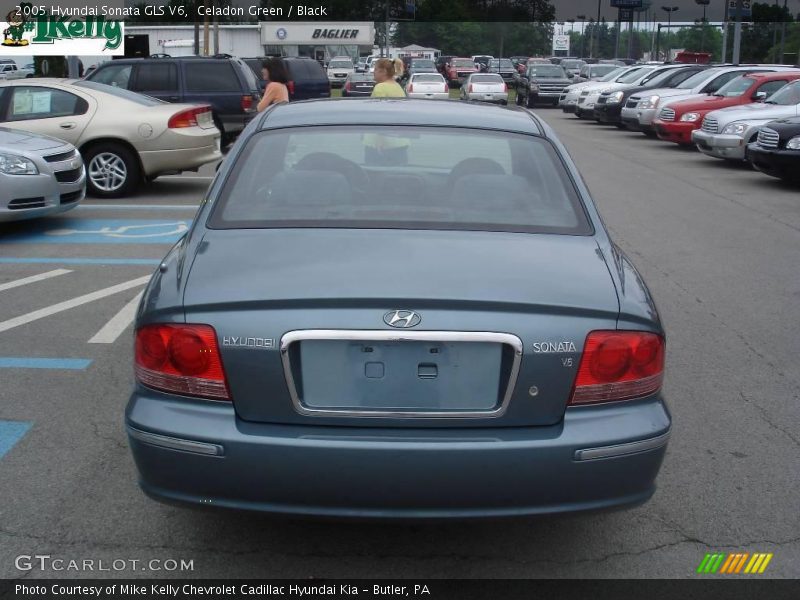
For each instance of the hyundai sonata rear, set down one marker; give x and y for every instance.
(385, 310)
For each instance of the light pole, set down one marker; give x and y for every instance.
(669, 10)
(704, 4)
(597, 26)
(582, 19)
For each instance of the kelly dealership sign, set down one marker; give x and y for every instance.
(317, 33)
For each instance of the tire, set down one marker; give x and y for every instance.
(112, 170)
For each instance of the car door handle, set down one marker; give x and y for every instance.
(69, 125)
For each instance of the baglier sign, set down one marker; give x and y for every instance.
(317, 33)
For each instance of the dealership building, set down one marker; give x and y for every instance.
(317, 39)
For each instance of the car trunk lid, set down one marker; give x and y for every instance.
(330, 295)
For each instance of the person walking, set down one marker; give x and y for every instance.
(385, 84)
(273, 70)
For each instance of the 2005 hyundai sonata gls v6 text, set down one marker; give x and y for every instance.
(398, 308)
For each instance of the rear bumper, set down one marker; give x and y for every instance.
(675, 131)
(161, 161)
(429, 95)
(597, 457)
(499, 97)
(784, 164)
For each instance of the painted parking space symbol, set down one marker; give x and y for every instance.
(12, 432)
(101, 231)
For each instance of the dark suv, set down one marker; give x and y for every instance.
(307, 78)
(226, 83)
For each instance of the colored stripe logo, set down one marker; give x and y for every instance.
(735, 563)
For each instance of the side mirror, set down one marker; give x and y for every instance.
(759, 96)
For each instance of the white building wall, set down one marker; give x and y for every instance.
(236, 40)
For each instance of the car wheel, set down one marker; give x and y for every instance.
(112, 170)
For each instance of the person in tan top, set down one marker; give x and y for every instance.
(273, 70)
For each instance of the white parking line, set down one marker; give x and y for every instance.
(32, 279)
(109, 333)
(62, 306)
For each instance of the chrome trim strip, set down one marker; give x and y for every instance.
(397, 335)
(623, 449)
(163, 441)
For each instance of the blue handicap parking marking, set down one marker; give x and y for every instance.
(101, 231)
(71, 364)
(10, 433)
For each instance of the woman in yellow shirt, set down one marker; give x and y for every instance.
(385, 84)
(274, 71)
(383, 149)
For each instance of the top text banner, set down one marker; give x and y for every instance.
(243, 11)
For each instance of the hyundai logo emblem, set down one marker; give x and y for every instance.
(402, 319)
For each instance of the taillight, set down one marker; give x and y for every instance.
(186, 118)
(469, 91)
(446, 87)
(410, 87)
(505, 87)
(247, 103)
(619, 365)
(181, 359)
(290, 86)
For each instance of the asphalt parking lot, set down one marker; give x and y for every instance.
(718, 246)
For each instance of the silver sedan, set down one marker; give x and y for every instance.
(125, 138)
(39, 175)
(485, 87)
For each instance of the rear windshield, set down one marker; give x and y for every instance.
(140, 99)
(572, 64)
(463, 62)
(486, 79)
(422, 63)
(546, 71)
(429, 78)
(400, 177)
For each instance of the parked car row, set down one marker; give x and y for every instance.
(737, 113)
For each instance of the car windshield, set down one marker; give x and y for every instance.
(140, 99)
(546, 71)
(788, 95)
(735, 87)
(572, 64)
(632, 76)
(429, 78)
(441, 178)
(340, 64)
(603, 70)
(463, 62)
(422, 63)
(613, 74)
(698, 79)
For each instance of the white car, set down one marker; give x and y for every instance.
(725, 133)
(569, 97)
(125, 138)
(12, 71)
(427, 85)
(338, 69)
(589, 94)
(485, 87)
(641, 108)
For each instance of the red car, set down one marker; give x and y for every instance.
(458, 69)
(676, 121)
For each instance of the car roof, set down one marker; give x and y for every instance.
(400, 111)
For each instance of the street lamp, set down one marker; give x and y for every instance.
(669, 10)
(582, 19)
(704, 4)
